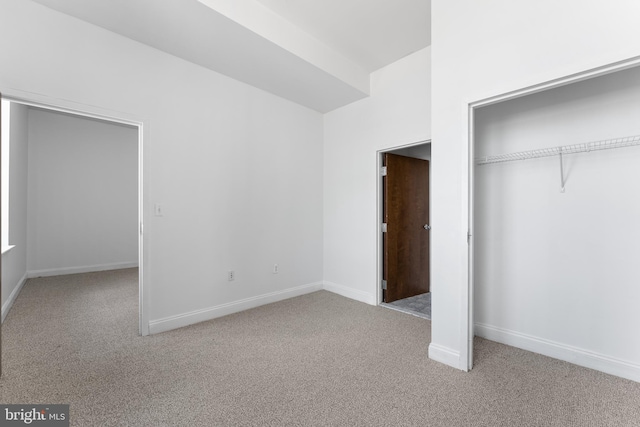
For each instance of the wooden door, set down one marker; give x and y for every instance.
(406, 213)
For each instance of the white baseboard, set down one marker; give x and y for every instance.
(12, 298)
(353, 294)
(445, 355)
(75, 270)
(181, 320)
(575, 355)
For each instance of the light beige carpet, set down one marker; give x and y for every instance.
(315, 360)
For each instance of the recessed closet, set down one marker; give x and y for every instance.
(557, 236)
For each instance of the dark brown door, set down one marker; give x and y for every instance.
(406, 213)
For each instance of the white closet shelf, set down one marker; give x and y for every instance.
(607, 144)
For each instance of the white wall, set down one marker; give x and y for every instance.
(83, 194)
(483, 49)
(238, 171)
(422, 151)
(561, 268)
(14, 262)
(397, 113)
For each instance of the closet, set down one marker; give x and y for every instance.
(557, 220)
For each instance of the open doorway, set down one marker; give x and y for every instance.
(73, 193)
(404, 244)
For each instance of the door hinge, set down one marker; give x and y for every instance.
(383, 171)
(468, 237)
(141, 228)
(384, 227)
(384, 285)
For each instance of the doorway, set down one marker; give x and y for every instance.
(15, 270)
(404, 244)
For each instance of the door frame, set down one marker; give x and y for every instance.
(142, 124)
(379, 217)
(466, 348)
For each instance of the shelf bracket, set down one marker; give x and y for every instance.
(561, 172)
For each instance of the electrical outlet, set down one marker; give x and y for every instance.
(231, 275)
(275, 268)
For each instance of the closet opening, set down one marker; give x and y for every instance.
(404, 229)
(553, 211)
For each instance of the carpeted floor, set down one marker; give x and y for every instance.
(315, 360)
(419, 305)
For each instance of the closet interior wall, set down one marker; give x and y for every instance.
(558, 272)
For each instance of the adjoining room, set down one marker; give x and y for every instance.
(71, 214)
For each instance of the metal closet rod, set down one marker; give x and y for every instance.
(607, 144)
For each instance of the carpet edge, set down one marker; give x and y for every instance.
(202, 315)
(567, 353)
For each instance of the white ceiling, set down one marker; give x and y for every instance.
(318, 53)
(372, 33)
